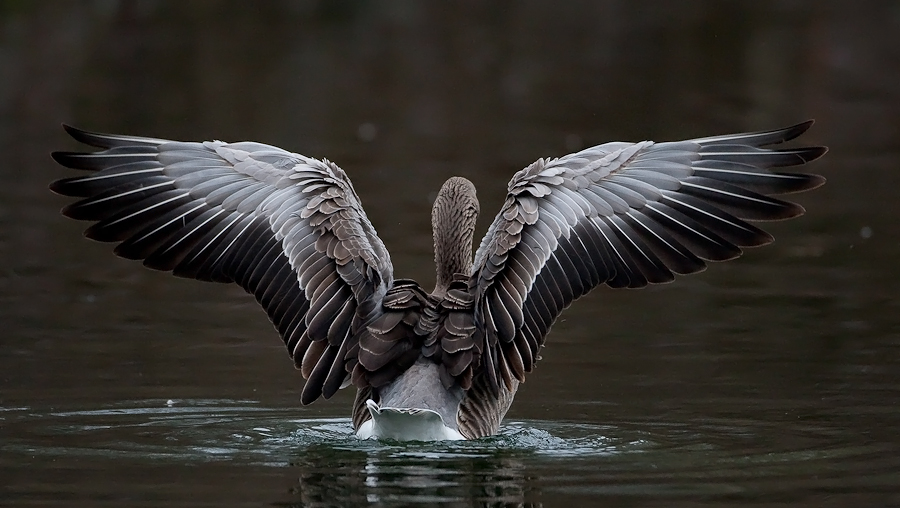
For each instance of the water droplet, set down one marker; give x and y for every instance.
(367, 132)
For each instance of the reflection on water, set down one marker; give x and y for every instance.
(719, 458)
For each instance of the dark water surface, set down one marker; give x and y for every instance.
(770, 380)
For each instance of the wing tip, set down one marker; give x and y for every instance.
(812, 153)
(814, 182)
(796, 130)
(804, 182)
(59, 186)
(70, 129)
(761, 138)
(68, 159)
(83, 136)
(102, 140)
(790, 133)
(58, 157)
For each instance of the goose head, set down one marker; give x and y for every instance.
(453, 219)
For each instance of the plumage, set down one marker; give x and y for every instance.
(291, 230)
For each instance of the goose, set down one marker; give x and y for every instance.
(445, 364)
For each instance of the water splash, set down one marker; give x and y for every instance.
(213, 430)
(722, 457)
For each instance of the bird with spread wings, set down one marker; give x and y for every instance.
(292, 231)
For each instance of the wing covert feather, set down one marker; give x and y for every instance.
(624, 215)
(287, 228)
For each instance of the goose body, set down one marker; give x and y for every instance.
(443, 364)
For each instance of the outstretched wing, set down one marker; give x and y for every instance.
(287, 228)
(625, 215)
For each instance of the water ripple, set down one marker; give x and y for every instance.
(648, 458)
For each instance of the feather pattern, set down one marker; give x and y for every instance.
(290, 230)
(624, 215)
(287, 228)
